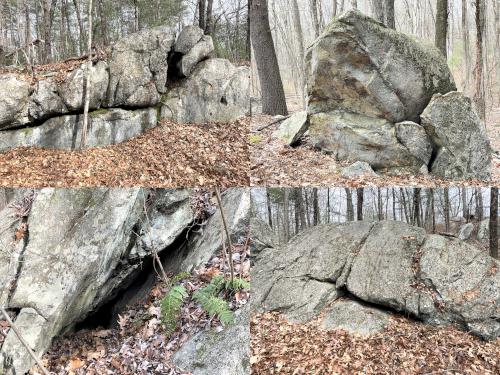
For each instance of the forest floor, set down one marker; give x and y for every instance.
(404, 347)
(137, 343)
(274, 163)
(168, 156)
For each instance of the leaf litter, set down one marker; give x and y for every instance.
(170, 155)
(404, 347)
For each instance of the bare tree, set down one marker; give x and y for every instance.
(350, 207)
(269, 211)
(83, 141)
(446, 209)
(360, 199)
(442, 26)
(273, 94)
(316, 214)
(465, 39)
(378, 10)
(209, 19)
(314, 16)
(390, 19)
(334, 8)
(478, 70)
(494, 222)
(202, 5)
(286, 213)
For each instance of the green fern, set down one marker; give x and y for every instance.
(171, 307)
(237, 284)
(179, 277)
(213, 305)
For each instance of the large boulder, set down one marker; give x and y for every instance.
(224, 353)
(292, 129)
(216, 90)
(76, 254)
(460, 137)
(138, 68)
(106, 126)
(466, 231)
(262, 236)
(356, 137)
(193, 46)
(437, 279)
(359, 65)
(14, 98)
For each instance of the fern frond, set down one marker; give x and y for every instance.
(214, 306)
(237, 284)
(171, 307)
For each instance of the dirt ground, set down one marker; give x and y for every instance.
(273, 163)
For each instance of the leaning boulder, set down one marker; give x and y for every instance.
(413, 136)
(460, 136)
(466, 231)
(293, 128)
(215, 91)
(64, 274)
(194, 47)
(14, 99)
(359, 65)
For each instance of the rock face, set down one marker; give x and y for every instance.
(360, 168)
(88, 253)
(466, 231)
(216, 90)
(106, 127)
(463, 147)
(224, 353)
(293, 128)
(436, 279)
(141, 69)
(378, 96)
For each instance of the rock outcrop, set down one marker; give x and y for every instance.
(390, 265)
(144, 71)
(379, 96)
(83, 247)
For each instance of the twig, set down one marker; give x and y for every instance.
(26, 345)
(272, 123)
(228, 235)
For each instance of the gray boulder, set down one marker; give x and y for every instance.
(106, 126)
(355, 137)
(201, 247)
(138, 68)
(466, 231)
(355, 317)
(199, 52)
(225, 353)
(215, 91)
(483, 231)
(187, 39)
(293, 128)
(360, 168)
(433, 278)
(83, 259)
(14, 98)
(413, 136)
(455, 129)
(359, 65)
(46, 101)
(262, 236)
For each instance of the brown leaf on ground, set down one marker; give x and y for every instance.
(404, 347)
(169, 156)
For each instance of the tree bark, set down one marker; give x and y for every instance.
(390, 19)
(316, 217)
(300, 39)
(479, 204)
(209, 20)
(441, 26)
(80, 27)
(354, 4)
(465, 40)
(416, 207)
(478, 70)
(334, 8)
(314, 16)
(286, 214)
(269, 210)
(83, 141)
(446, 209)
(201, 14)
(360, 199)
(350, 207)
(494, 222)
(273, 95)
(378, 10)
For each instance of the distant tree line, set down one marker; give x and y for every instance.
(44, 31)
(440, 210)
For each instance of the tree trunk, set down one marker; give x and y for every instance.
(360, 199)
(81, 39)
(273, 95)
(465, 39)
(201, 14)
(354, 4)
(269, 210)
(300, 39)
(390, 19)
(378, 10)
(209, 20)
(465, 207)
(314, 16)
(350, 207)
(478, 70)
(316, 217)
(416, 207)
(380, 212)
(286, 214)
(494, 223)
(334, 8)
(479, 204)
(441, 26)
(83, 141)
(446, 209)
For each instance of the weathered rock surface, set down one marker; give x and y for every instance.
(466, 231)
(355, 317)
(413, 136)
(216, 90)
(293, 128)
(105, 127)
(355, 137)
(262, 236)
(200, 247)
(141, 69)
(483, 231)
(224, 353)
(359, 65)
(359, 168)
(455, 128)
(391, 264)
(88, 253)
